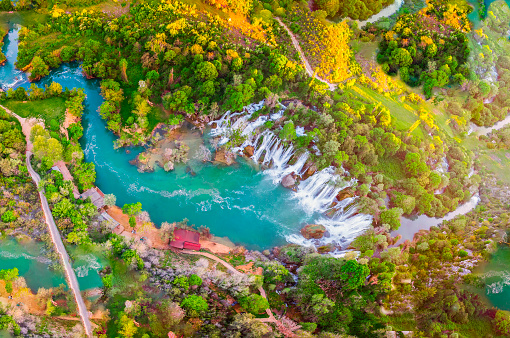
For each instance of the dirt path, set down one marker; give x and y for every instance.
(57, 241)
(233, 270)
(308, 68)
(27, 125)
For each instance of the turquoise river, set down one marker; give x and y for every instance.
(239, 201)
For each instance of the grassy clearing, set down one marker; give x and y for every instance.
(47, 109)
(498, 162)
(477, 328)
(23, 18)
(368, 50)
(404, 322)
(403, 117)
(391, 167)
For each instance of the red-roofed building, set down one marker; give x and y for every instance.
(186, 239)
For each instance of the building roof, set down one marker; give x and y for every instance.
(95, 197)
(109, 219)
(186, 239)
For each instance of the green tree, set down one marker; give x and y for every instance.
(178, 101)
(329, 6)
(127, 327)
(182, 282)
(39, 68)
(63, 208)
(207, 71)
(391, 217)
(401, 57)
(414, 165)
(9, 216)
(85, 175)
(502, 322)
(288, 132)
(194, 305)
(132, 209)
(49, 148)
(195, 280)
(254, 303)
(8, 287)
(107, 281)
(9, 275)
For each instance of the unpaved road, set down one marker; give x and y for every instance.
(55, 234)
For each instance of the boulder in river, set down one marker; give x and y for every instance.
(289, 181)
(169, 166)
(249, 150)
(225, 157)
(310, 171)
(346, 193)
(325, 249)
(315, 231)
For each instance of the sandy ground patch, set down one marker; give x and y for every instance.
(152, 235)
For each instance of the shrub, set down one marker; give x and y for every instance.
(310, 327)
(194, 305)
(8, 216)
(254, 304)
(182, 282)
(195, 280)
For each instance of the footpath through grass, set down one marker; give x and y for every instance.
(48, 109)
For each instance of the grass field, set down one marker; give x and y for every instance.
(403, 118)
(498, 162)
(22, 18)
(391, 167)
(48, 109)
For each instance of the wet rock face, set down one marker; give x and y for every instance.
(289, 180)
(225, 157)
(346, 193)
(310, 171)
(249, 150)
(315, 231)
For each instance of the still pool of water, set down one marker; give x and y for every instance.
(238, 201)
(34, 267)
(496, 276)
(474, 17)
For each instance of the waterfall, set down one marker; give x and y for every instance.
(316, 194)
(319, 191)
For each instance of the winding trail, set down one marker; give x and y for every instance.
(308, 67)
(55, 234)
(233, 270)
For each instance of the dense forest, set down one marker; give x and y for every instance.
(388, 105)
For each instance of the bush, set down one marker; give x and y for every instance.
(195, 280)
(310, 327)
(463, 253)
(182, 282)
(9, 216)
(254, 304)
(194, 305)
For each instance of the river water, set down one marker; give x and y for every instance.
(239, 201)
(34, 267)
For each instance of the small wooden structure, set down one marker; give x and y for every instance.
(186, 239)
(96, 197)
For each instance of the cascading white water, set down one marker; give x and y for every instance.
(319, 191)
(316, 194)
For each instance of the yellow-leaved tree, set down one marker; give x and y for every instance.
(335, 59)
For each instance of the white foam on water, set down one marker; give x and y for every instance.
(316, 194)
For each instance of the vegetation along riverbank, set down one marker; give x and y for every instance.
(221, 168)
